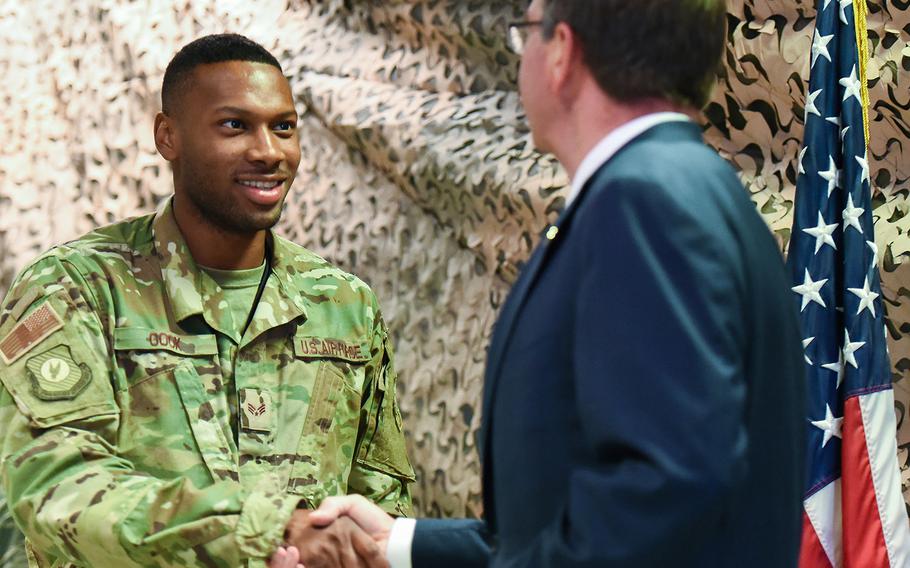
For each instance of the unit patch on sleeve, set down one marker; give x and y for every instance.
(55, 375)
(29, 332)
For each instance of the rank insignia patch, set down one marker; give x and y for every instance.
(257, 410)
(55, 374)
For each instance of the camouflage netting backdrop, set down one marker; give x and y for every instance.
(417, 171)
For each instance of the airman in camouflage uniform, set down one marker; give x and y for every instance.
(142, 426)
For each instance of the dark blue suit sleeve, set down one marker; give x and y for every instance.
(450, 543)
(658, 381)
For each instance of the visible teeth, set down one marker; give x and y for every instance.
(261, 184)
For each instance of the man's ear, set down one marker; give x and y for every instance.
(166, 137)
(563, 57)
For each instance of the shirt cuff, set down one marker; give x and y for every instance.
(398, 549)
(263, 519)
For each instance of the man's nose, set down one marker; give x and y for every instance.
(265, 148)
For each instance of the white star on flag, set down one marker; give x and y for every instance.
(836, 121)
(810, 105)
(837, 367)
(831, 175)
(802, 154)
(830, 425)
(852, 214)
(843, 10)
(822, 233)
(820, 47)
(809, 290)
(852, 86)
(874, 253)
(864, 164)
(866, 297)
(849, 348)
(806, 343)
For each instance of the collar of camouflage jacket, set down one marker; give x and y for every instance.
(191, 291)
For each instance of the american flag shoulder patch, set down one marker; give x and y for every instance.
(29, 332)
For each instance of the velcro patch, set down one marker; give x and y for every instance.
(25, 302)
(55, 374)
(29, 332)
(324, 347)
(257, 410)
(137, 338)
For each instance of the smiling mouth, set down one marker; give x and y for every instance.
(263, 193)
(263, 185)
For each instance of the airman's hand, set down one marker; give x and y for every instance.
(286, 557)
(338, 544)
(369, 517)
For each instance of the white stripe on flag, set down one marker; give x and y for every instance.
(880, 427)
(824, 512)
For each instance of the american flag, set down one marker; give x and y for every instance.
(854, 514)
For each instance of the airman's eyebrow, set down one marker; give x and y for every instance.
(244, 112)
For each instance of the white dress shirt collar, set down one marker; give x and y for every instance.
(613, 143)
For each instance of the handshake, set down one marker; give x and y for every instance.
(345, 532)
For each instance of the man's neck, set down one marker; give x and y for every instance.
(214, 247)
(594, 118)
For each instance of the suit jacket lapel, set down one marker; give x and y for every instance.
(502, 331)
(506, 320)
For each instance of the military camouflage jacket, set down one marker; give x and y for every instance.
(116, 447)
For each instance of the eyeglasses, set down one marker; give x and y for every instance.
(518, 35)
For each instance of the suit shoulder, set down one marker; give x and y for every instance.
(663, 161)
(683, 172)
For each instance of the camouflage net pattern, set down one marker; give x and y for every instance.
(418, 173)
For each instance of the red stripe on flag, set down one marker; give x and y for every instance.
(864, 542)
(811, 553)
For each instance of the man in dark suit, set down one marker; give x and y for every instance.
(644, 387)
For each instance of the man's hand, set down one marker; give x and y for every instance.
(339, 544)
(286, 558)
(373, 520)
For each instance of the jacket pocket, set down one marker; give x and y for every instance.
(172, 419)
(383, 445)
(143, 352)
(331, 373)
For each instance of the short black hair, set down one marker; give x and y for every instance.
(215, 48)
(639, 49)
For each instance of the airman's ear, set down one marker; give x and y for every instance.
(166, 137)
